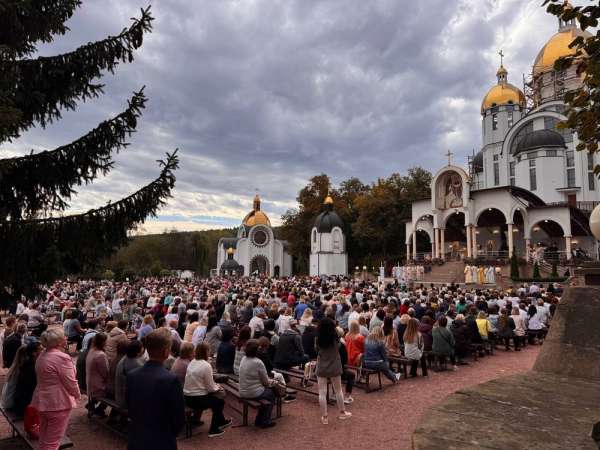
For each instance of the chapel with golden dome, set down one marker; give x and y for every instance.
(527, 187)
(254, 251)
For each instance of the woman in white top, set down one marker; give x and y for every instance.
(286, 320)
(199, 390)
(519, 323)
(200, 332)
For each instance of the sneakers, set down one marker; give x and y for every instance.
(455, 368)
(325, 420)
(398, 376)
(346, 415)
(307, 384)
(289, 399)
(268, 425)
(348, 400)
(215, 433)
(226, 424)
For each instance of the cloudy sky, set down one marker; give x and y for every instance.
(268, 93)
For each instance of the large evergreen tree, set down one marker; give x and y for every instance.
(39, 240)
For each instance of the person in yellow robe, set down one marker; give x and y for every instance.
(480, 276)
(468, 274)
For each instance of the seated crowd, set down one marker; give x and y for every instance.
(174, 339)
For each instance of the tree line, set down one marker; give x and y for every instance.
(373, 215)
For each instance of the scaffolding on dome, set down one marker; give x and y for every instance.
(543, 86)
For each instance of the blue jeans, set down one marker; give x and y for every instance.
(263, 417)
(384, 367)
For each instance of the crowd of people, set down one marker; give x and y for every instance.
(173, 338)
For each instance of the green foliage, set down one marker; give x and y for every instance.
(108, 275)
(554, 273)
(514, 265)
(368, 262)
(156, 268)
(198, 253)
(38, 242)
(583, 115)
(545, 280)
(536, 270)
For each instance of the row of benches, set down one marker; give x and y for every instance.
(18, 430)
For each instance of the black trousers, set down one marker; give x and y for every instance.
(349, 378)
(516, 341)
(209, 401)
(415, 364)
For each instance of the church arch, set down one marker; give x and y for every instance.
(491, 214)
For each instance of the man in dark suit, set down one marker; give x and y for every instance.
(155, 398)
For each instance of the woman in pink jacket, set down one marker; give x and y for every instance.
(97, 370)
(56, 390)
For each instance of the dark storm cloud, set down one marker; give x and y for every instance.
(268, 93)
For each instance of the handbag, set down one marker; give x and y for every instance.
(31, 422)
(309, 370)
(221, 393)
(278, 384)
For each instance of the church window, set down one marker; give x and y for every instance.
(512, 168)
(570, 178)
(526, 129)
(532, 163)
(570, 158)
(591, 181)
(532, 180)
(494, 121)
(550, 152)
(510, 119)
(496, 174)
(314, 236)
(560, 109)
(532, 155)
(495, 157)
(590, 159)
(512, 182)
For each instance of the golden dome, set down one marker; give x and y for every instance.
(256, 218)
(502, 94)
(502, 70)
(230, 251)
(328, 200)
(558, 46)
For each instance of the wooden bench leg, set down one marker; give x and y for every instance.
(367, 383)
(279, 401)
(379, 375)
(245, 420)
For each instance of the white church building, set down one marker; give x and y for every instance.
(328, 254)
(255, 249)
(527, 188)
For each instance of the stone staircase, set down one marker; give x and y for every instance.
(450, 272)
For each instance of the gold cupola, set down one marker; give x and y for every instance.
(503, 93)
(256, 216)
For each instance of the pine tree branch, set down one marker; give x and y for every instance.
(39, 251)
(42, 87)
(42, 182)
(23, 23)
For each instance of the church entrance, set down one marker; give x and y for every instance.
(259, 266)
(276, 271)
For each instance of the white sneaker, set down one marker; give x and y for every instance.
(348, 400)
(398, 375)
(455, 368)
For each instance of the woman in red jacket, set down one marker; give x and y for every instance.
(355, 343)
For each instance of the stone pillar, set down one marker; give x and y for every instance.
(436, 233)
(568, 241)
(510, 239)
(443, 246)
(432, 249)
(407, 251)
(527, 247)
(414, 244)
(469, 249)
(474, 240)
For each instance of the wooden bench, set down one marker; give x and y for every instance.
(299, 374)
(233, 390)
(18, 430)
(288, 392)
(437, 362)
(367, 373)
(113, 405)
(539, 334)
(403, 364)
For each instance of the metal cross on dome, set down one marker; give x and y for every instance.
(501, 56)
(449, 154)
(256, 190)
